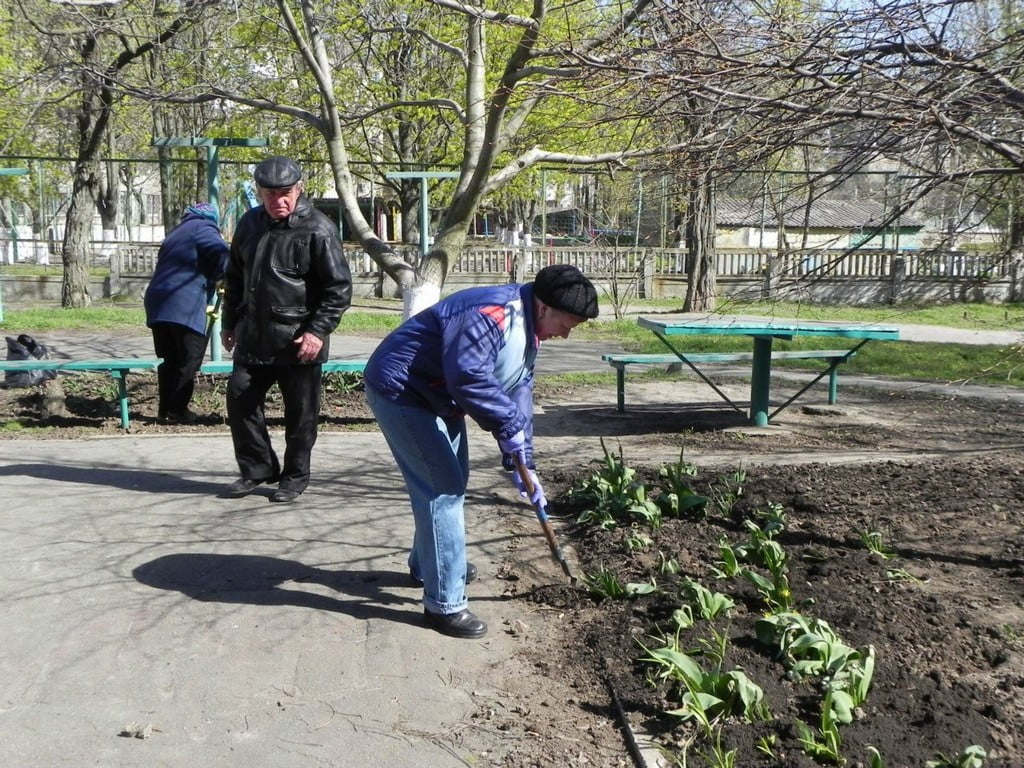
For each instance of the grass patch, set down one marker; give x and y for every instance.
(971, 316)
(98, 317)
(114, 317)
(947, 363)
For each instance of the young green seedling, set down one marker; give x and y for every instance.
(823, 743)
(872, 541)
(709, 604)
(677, 497)
(971, 757)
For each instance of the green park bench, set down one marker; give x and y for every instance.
(330, 366)
(120, 367)
(620, 362)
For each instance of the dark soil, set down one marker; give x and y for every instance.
(939, 479)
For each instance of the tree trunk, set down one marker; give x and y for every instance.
(701, 213)
(434, 269)
(77, 236)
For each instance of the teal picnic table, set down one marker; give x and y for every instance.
(763, 333)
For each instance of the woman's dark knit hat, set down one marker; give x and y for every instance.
(564, 287)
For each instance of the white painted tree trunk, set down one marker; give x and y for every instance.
(108, 244)
(419, 297)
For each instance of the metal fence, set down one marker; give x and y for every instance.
(741, 262)
(137, 258)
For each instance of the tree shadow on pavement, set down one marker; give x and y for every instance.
(260, 580)
(143, 480)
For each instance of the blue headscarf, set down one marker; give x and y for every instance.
(205, 210)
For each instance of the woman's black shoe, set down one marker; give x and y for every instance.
(461, 624)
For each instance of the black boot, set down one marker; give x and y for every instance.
(462, 624)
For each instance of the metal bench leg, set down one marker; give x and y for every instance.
(760, 381)
(833, 382)
(122, 396)
(620, 388)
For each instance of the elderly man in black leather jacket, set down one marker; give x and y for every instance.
(286, 287)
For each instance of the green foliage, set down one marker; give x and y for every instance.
(929, 361)
(727, 491)
(971, 757)
(760, 549)
(637, 541)
(667, 565)
(823, 743)
(730, 564)
(955, 315)
(810, 648)
(872, 541)
(710, 605)
(901, 575)
(343, 381)
(718, 756)
(605, 584)
(613, 496)
(677, 497)
(708, 696)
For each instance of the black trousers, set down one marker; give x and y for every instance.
(247, 394)
(182, 350)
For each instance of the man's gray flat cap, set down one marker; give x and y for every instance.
(277, 172)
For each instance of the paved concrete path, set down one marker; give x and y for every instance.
(231, 632)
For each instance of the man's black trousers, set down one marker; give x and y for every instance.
(247, 394)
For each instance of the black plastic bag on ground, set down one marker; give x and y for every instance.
(24, 347)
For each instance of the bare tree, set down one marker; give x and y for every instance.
(543, 60)
(90, 49)
(934, 89)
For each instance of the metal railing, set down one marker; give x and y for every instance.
(133, 258)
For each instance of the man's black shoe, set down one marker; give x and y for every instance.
(184, 417)
(243, 486)
(461, 624)
(470, 575)
(284, 495)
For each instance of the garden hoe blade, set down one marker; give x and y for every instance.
(542, 516)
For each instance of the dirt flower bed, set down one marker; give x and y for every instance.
(907, 541)
(939, 602)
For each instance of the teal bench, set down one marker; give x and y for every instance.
(348, 366)
(118, 367)
(835, 358)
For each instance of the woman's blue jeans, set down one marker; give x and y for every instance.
(433, 457)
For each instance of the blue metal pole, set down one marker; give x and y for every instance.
(213, 192)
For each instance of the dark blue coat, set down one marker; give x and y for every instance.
(471, 353)
(191, 260)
